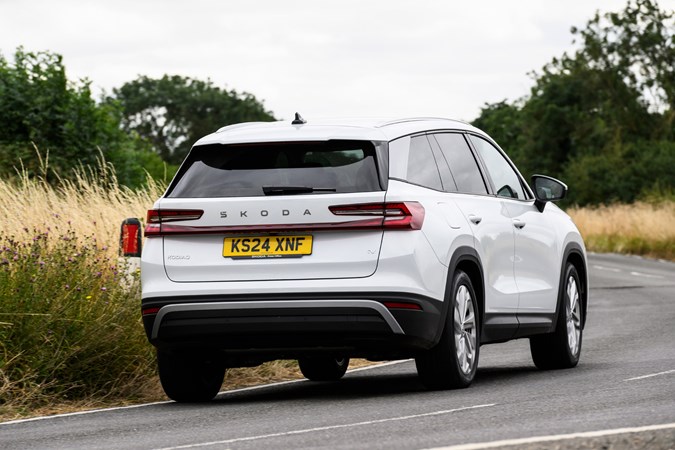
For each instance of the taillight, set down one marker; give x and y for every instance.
(156, 217)
(401, 215)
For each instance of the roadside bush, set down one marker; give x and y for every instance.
(69, 328)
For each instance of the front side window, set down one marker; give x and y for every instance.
(506, 180)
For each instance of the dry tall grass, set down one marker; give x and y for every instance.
(92, 203)
(640, 228)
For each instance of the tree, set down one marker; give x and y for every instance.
(601, 117)
(503, 120)
(173, 112)
(639, 44)
(40, 107)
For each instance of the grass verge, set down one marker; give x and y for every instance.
(642, 228)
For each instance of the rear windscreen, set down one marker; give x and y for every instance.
(244, 170)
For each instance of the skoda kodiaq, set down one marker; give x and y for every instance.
(327, 240)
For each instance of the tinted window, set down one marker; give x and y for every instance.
(447, 179)
(243, 170)
(506, 180)
(422, 168)
(462, 163)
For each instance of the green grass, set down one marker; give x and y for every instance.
(69, 328)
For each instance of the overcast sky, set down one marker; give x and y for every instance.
(321, 58)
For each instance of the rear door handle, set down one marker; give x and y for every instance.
(518, 224)
(475, 219)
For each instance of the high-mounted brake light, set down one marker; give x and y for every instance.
(399, 215)
(156, 217)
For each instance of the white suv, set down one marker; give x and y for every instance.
(326, 240)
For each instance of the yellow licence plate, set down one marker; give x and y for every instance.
(267, 246)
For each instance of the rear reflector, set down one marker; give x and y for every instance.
(156, 217)
(402, 215)
(153, 310)
(402, 305)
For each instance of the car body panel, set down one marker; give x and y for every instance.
(335, 254)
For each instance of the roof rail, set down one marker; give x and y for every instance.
(416, 119)
(237, 125)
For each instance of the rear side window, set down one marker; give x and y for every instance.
(422, 168)
(249, 170)
(462, 163)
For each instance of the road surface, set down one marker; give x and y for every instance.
(626, 379)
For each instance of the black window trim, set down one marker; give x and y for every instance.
(486, 173)
(403, 180)
(488, 185)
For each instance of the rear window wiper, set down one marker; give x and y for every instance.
(293, 190)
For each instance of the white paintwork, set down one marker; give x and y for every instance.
(495, 243)
(521, 266)
(335, 254)
(538, 256)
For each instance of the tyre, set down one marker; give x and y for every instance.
(562, 348)
(323, 368)
(189, 379)
(452, 363)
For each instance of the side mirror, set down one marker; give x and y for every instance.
(547, 189)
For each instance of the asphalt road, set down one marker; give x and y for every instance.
(626, 378)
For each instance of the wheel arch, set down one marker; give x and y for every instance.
(466, 259)
(575, 255)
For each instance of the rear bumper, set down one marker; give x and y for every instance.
(259, 328)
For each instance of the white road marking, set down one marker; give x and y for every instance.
(650, 375)
(609, 269)
(81, 413)
(232, 391)
(328, 427)
(645, 275)
(556, 437)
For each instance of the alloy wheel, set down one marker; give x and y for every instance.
(465, 329)
(573, 315)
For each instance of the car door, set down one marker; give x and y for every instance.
(491, 226)
(536, 263)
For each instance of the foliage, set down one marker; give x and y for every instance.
(173, 112)
(641, 228)
(69, 313)
(40, 107)
(69, 325)
(602, 118)
(639, 45)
